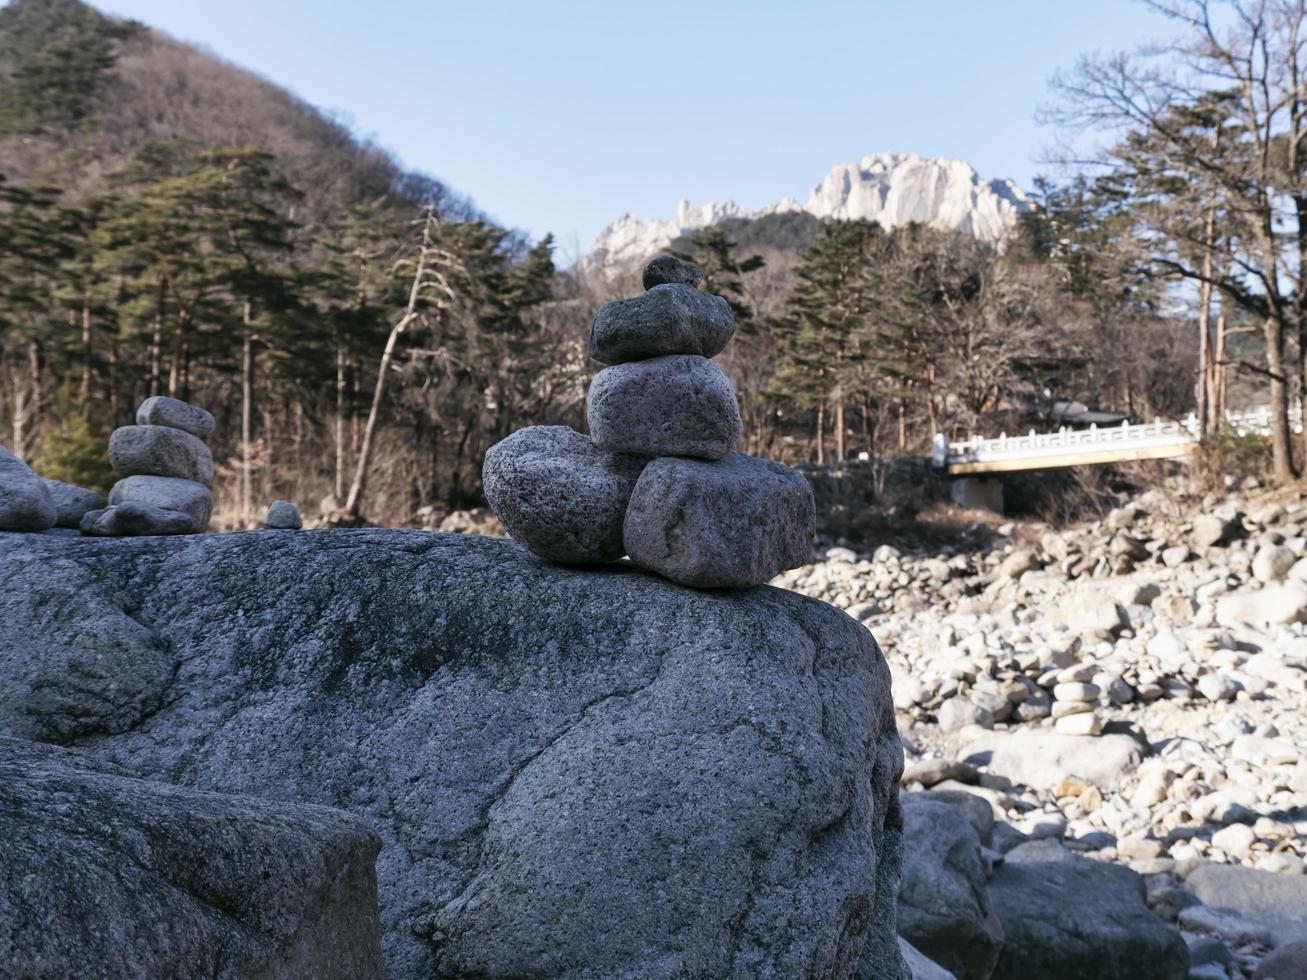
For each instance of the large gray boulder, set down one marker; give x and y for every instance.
(559, 494)
(736, 522)
(1272, 899)
(72, 502)
(1076, 919)
(665, 406)
(672, 318)
(25, 502)
(108, 876)
(574, 773)
(159, 450)
(944, 908)
(175, 413)
(1041, 759)
(166, 493)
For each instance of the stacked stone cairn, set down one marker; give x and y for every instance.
(165, 470)
(658, 479)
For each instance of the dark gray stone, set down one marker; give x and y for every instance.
(71, 502)
(670, 269)
(681, 405)
(25, 502)
(1275, 900)
(559, 494)
(670, 319)
(109, 876)
(1289, 962)
(133, 519)
(737, 522)
(175, 413)
(1077, 919)
(283, 516)
(157, 450)
(575, 773)
(166, 493)
(944, 907)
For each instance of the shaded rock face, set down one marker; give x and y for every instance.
(25, 501)
(590, 774)
(109, 876)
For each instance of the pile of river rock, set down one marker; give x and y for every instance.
(658, 478)
(1129, 693)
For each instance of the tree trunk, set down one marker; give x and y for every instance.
(339, 484)
(1218, 369)
(84, 391)
(247, 414)
(903, 425)
(359, 485)
(1203, 392)
(113, 380)
(1281, 455)
(839, 425)
(821, 433)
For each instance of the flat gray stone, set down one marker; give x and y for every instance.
(283, 516)
(559, 494)
(574, 773)
(173, 412)
(1272, 899)
(681, 405)
(670, 269)
(25, 502)
(157, 450)
(668, 319)
(71, 502)
(736, 522)
(1077, 919)
(131, 518)
(944, 908)
(1041, 759)
(105, 875)
(166, 493)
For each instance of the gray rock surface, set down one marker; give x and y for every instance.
(575, 773)
(670, 269)
(283, 516)
(25, 502)
(1289, 962)
(1277, 901)
(109, 876)
(166, 493)
(559, 494)
(668, 319)
(1077, 919)
(158, 450)
(71, 502)
(1042, 759)
(173, 412)
(132, 518)
(919, 967)
(736, 522)
(944, 907)
(1213, 530)
(666, 406)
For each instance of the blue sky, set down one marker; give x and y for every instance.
(562, 116)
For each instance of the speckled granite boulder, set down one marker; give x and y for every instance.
(131, 518)
(575, 773)
(158, 450)
(71, 502)
(559, 494)
(666, 406)
(166, 493)
(736, 522)
(173, 412)
(105, 875)
(283, 516)
(668, 319)
(25, 502)
(670, 269)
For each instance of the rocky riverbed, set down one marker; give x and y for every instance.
(1130, 691)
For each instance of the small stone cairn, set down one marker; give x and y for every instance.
(165, 470)
(658, 479)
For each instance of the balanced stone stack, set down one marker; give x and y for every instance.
(658, 479)
(165, 470)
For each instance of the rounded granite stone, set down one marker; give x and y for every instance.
(668, 319)
(670, 269)
(160, 450)
(175, 413)
(680, 405)
(166, 493)
(559, 494)
(736, 522)
(25, 501)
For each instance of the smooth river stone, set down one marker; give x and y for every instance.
(175, 413)
(25, 501)
(166, 493)
(737, 522)
(665, 406)
(130, 519)
(159, 450)
(559, 494)
(669, 319)
(669, 269)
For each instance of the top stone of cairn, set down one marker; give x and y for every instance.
(669, 269)
(671, 318)
(175, 414)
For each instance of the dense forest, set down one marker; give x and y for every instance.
(171, 224)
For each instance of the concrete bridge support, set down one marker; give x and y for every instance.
(978, 491)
